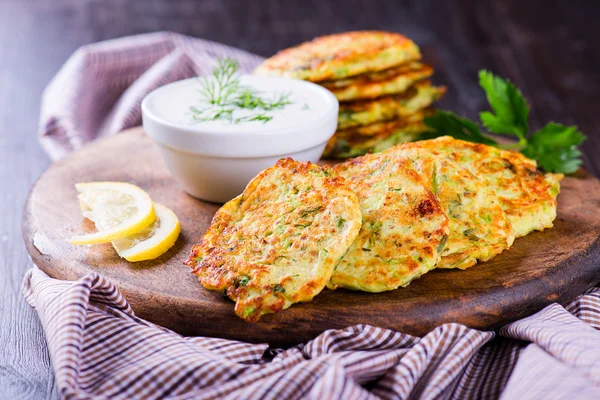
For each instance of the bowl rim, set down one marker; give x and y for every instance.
(260, 142)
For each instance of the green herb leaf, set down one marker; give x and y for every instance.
(243, 280)
(222, 93)
(444, 123)
(442, 243)
(469, 233)
(434, 183)
(555, 148)
(511, 111)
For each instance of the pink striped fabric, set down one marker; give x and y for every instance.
(99, 90)
(101, 350)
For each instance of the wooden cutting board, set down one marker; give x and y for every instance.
(544, 267)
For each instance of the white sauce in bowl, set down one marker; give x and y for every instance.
(307, 104)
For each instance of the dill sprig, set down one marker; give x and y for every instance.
(224, 83)
(222, 93)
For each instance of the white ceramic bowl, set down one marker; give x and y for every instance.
(215, 160)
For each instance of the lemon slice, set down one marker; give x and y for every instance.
(117, 209)
(153, 241)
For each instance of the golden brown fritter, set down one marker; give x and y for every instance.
(360, 140)
(341, 55)
(386, 108)
(527, 196)
(479, 229)
(404, 227)
(376, 84)
(278, 242)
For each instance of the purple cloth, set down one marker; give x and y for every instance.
(99, 90)
(101, 350)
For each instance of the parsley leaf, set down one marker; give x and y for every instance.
(511, 111)
(446, 123)
(555, 148)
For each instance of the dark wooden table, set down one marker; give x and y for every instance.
(549, 49)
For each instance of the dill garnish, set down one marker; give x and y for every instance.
(222, 94)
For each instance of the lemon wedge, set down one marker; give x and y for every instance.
(153, 241)
(118, 210)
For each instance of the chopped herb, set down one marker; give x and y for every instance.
(249, 99)
(442, 244)
(383, 164)
(389, 262)
(278, 289)
(259, 117)
(222, 93)
(346, 114)
(243, 280)
(341, 222)
(376, 227)
(469, 233)
(248, 311)
(309, 211)
(453, 205)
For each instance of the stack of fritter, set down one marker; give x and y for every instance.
(373, 223)
(383, 88)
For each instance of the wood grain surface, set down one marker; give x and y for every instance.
(549, 48)
(551, 266)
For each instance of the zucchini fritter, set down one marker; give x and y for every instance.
(479, 229)
(341, 55)
(360, 140)
(376, 84)
(527, 196)
(367, 112)
(278, 242)
(403, 231)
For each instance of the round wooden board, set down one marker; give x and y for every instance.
(544, 267)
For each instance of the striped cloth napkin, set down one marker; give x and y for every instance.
(101, 350)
